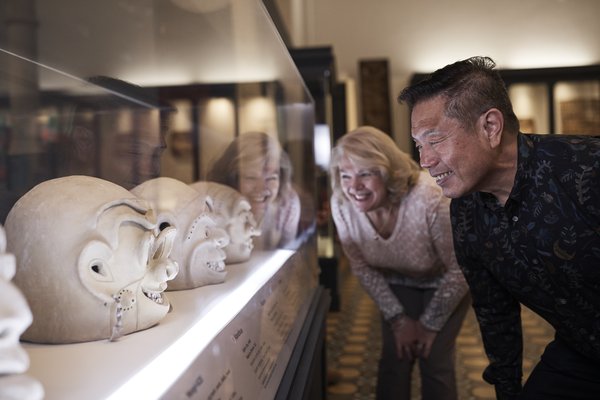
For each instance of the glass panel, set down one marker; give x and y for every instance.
(577, 106)
(132, 90)
(530, 102)
(129, 91)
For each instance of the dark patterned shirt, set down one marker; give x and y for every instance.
(541, 249)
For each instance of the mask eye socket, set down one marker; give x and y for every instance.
(95, 260)
(97, 267)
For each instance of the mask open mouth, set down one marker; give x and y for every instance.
(216, 266)
(156, 297)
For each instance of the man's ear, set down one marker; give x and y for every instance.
(492, 124)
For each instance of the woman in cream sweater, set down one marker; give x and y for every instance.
(394, 226)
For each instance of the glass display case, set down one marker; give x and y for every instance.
(129, 91)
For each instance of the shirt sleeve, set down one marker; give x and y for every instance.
(498, 314)
(371, 279)
(453, 286)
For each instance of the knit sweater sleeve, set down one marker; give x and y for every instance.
(453, 286)
(371, 279)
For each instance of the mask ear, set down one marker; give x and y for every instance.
(492, 124)
(163, 245)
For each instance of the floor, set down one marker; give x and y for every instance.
(353, 347)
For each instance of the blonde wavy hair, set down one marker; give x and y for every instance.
(370, 148)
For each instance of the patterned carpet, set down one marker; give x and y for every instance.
(353, 347)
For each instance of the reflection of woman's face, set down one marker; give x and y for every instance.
(241, 228)
(260, 184)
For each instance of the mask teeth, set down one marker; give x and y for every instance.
(214, 266)
(155, 297)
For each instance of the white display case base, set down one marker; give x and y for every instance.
(227, 341)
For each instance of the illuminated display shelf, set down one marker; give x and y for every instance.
(221, 341)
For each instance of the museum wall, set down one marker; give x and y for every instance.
(425, 35)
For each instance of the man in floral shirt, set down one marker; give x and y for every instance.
(526, 223)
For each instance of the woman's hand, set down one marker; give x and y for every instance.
(424, 341)
(406, 337)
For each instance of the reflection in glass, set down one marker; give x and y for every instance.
(256, 165)
(224, 69)
(178, 158)
(218, 128)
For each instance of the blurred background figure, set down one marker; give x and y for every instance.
(133, 125)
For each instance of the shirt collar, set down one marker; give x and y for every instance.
(524, 161)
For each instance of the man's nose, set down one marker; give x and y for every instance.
(426, 158)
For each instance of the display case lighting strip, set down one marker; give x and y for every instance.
(156, 377)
